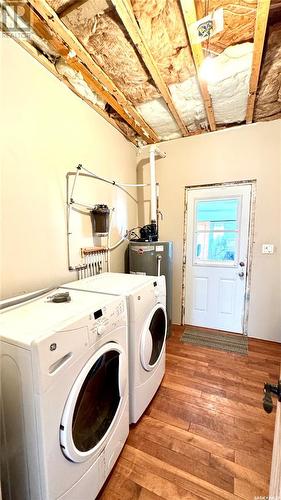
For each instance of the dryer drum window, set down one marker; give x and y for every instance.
(157, 329)
(97, 402)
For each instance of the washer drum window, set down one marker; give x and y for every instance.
(93, 403)
(153, 337)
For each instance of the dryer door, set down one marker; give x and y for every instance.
(94, 403)
(153, 337)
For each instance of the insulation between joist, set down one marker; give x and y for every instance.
(229, 92)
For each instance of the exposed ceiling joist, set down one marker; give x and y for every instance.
(127, 16)
(190, 16)
(51, 67)
(40, 28)
(65, 10)
(260, 31)
(125, 108)
(43, 31)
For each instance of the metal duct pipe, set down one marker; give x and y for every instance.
(153, 211)
(153, 196)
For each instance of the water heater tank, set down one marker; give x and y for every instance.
(153, 258)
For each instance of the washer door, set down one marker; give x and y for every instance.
(94, 403)
(153, 337)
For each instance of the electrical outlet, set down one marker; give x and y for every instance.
(267, 248)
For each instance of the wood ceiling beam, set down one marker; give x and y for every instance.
(43, 31)
(65, 10)
(113, 95)
(190, 17)
(259, 37)
(126, 14)
(40, 28)
(52, 69)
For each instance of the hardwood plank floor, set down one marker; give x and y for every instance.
(205, 435)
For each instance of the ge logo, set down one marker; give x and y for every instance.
(53, 347)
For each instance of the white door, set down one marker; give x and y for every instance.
(218, 221)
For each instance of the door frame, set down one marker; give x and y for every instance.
(253, 183)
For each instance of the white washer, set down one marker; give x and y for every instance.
(65, 410)
(147, 319)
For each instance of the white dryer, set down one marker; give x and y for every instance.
(64, 395)
(147, 320)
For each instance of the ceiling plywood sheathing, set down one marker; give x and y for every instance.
(239, 21)
(127, 111)
(189, 14)
(260, 31)
(126, 14)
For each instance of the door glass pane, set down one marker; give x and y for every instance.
(97, 402)
(157, 329)
(216, 230)
(215, 246)
(217, 226)
(222, 210)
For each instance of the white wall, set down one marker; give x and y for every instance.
(46, 131)
(241, 153)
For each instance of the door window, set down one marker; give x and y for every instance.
(97, 402)
(216, 231)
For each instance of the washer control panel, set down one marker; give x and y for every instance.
(107, 319)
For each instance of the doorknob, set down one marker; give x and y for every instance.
(241, 274)
(267, 399)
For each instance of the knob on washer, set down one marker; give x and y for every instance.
(100, 329)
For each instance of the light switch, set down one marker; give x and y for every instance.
(267, 248)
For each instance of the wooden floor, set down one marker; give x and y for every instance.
(205, 434)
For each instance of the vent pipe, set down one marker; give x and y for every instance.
(153, 194)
